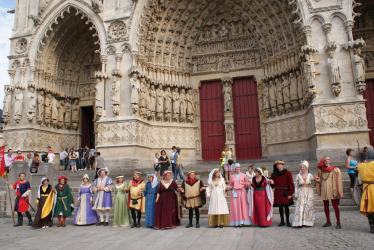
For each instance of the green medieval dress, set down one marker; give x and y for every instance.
(64, 199)
(121, 212)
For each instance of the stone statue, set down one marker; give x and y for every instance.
(18, 105)
(39, 117)
(265, 97)
(176, 105)
(7, 102)
(47, 109)
(135, 88)
(75, 114)
(227, 96)
(182, 100)
(309, 72)
(143, 97)
(160, 102)
(67, 120)
(152, 103)
(286, 93)
(229, 133)
(272, 97)
(190, 106)
(334, 70)
(31, 96)
(116, 95)
(148, 100)
(98, 101)
(167, 106)
(54, 111)
(61, 112)
(359, 70)
(223, 31)
(279, 95)
(293, 87)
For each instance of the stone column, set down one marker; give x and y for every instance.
(228, 112)
(11, 73)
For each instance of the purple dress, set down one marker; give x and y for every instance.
(85, 215)
(103, 198)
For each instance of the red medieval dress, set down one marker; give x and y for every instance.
(283, 187)
(261, 204)
(167, 208)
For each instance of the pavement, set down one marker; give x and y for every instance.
(353, 235)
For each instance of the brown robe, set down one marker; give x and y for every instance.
(331, 185)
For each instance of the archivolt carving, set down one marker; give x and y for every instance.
(21, 45)
(117, 32)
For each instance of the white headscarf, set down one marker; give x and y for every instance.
(305, 163)
(210, 179)
(41, 184)
(85, 176)
(260, 170)
(235, 166)
(154, 182)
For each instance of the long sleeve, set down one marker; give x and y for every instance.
(209, 190)
(296, 185)
(79, 194)
(69, 195)
(271, 177)
(145, 191)
(91, 193)
(290, 183)
(318, 184)
(109, 186)
(94, 188)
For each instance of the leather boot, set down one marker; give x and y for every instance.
(20, 220)
(327, 224)
(189, 225)
(59, 224)
(372, 229)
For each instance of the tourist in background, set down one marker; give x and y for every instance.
(80, 159)
(304, 198)
(164, 162)
(283, 191)
(172, 161)
(84, 214)
(8, 160)
(156, 165)
(44, 156)
(228, 167)
(250, 174)
(329, 185)
(63, 155)
(364, 153)
(86, 156)
(217, 192)
(351, 165)
(73, 160)
(19, 156)
(223, 162)
(35, 164)
(29, 160)
(51, 157)
(121, 212)
(99, 163)
(266, 173)
(260, 200)
(150, 194)
(239, 209)
(168, 211)
(178, 165)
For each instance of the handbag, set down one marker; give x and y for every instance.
(134, 202)
(157, 167)
(230, 162)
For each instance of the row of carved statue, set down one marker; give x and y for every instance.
(48, 107)
(161, 103)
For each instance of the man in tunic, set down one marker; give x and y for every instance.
(283, 190)
(136, 200)
(103, 185)
(329, 186)
(193, 193)
(22, 189)
(64, 203)
(366, 170)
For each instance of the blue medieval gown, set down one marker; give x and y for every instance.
(150, 203)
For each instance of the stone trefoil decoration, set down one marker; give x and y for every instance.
(333, 68)
(31, 99)
(18, 104)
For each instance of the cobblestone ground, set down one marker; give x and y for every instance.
(354, 235)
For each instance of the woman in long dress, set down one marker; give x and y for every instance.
(238, 203)
(150, 194)
(167, 214)
(304, 196)
(217, 191)
(85, 215)
(44, 204)
(121, 212)
(260, 200)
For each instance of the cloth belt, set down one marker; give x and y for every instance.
(151, 195)
(62, 200)
(259, 189)
(305, 185)
(369, 182)
(280, 188)
(192, 197)
(167, 190)
(44, 195)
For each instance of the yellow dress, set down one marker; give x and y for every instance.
(366, 170)
(134, 195)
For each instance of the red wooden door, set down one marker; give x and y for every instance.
(247, 120)
(369, 96)
(211, 115)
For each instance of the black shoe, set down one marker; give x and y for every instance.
(197, 225)
(281, 224)
(106, 224)
(133, 225)
(138, 225)
(372, 230)
(289, 224)
(99, 223)
(189, 225)
(18, 225)
(215, 226)
(220, 226)
(30, 223)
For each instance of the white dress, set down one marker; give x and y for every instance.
(218, 203)
(304, 205)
